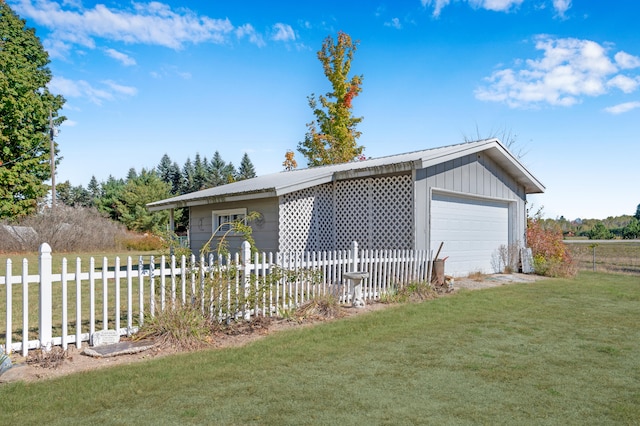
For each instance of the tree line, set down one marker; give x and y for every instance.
(125, 199)
(624, 227)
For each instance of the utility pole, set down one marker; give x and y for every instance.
(52, 150)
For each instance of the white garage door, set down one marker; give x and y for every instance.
(471, 229)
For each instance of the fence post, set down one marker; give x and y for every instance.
(246, 265)
(45, 315)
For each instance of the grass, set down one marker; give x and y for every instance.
(32, 258)
(553, 352)
(618, 256)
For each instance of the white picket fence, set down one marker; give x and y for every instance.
(236, 286)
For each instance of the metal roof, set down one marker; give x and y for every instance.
(276, 184)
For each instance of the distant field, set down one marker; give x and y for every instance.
(621, 256)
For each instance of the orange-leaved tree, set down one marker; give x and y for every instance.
(332, 137)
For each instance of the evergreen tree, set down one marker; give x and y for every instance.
(599, 232)
(132, 174)
(188, 177)
(199, 173)
(246, 169)
(220, 173)
(134, 197)
(169, 172)
(94, 188)
(637, 215)
(25, 108)
(111, 194)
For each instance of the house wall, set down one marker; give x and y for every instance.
(475, 175)
(265, 230)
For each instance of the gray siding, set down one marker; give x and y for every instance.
(475, 175)
(265, 230)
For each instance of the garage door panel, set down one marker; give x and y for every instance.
(471, 229)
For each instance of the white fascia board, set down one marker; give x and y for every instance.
(212, 200)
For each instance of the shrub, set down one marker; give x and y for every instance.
(65, 229)
(182, 327)
(325, 306)
(145, 242)
(551, 257)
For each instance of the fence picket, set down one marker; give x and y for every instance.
(9, 290)
(63, 278)
(248, 285)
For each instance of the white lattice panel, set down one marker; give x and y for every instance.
(352, 212)
(392, 213)
(306, 220)
(375, 212)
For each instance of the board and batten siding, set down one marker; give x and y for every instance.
(265, 230)
(474, 175)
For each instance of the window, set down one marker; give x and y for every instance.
(222, 219)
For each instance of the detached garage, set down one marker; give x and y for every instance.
(469, 196)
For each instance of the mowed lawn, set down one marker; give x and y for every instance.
(553, 352)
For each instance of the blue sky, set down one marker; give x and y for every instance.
(143, 79)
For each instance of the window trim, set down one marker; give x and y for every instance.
(216, 214)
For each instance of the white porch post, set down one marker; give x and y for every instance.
(45, 315)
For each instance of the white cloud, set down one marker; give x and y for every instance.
(561, 6)
(283, 32)
(624, 83)
(494, 5)
(123, 58)
(626, 61)
(569, 70)
(148, 23)
(622, 108)
(82, 89)
(248, 31)
(438, 5)
(125, 90)
(394, 23)
(78, 89)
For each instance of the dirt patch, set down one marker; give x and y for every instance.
(74, 361)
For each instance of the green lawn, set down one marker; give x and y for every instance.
(553, 352)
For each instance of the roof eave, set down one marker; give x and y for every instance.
(227, 198)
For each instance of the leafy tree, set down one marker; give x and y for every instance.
(599, 232)
(331, 138)
(25, 105)
(637, 215)
(145, 188)
(632, 230)
(246, 169)
(111, 194)
(289, 162)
